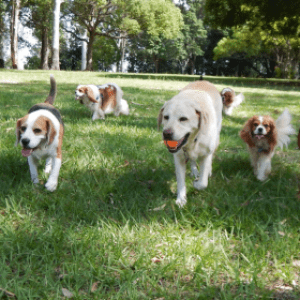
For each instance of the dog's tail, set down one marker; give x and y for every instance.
(52, 94)
(284, 128)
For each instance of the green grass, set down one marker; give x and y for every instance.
(112, 230)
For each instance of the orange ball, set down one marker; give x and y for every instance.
(171, 144)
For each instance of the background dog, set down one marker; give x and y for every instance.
(192, 123)
(40, 133)
(262, 134)
(102, 99)
(230, 100)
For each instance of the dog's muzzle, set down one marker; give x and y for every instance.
(174, 146)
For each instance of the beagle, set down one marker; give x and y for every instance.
(40, 133)
(102, 99)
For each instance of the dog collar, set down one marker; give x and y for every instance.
(260, 150)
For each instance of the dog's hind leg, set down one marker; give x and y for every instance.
(180, 168)
(205, 171)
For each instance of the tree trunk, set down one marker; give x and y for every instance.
(55, 42)
(89, 66)
(14, 33)
(44, 50)
(83, 51)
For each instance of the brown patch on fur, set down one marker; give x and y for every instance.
(205, 86)
(89, 92)
(228, 98)
(60, 140)
(271, 132)
(47, 128)
(109, 97)
(245, 133)
(20, 122)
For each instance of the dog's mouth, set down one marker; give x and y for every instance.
(259, 136)
(26, 152)
(174, 146)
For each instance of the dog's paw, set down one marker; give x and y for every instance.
(48, 169)
(200, 185)
(181, 201)
(51, 185)
(262, 178)
(35, 181)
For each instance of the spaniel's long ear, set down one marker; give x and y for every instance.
(51, 132)
(18, 132)
(272, 136)
(245, 133)
(90, 94)
(160, 115)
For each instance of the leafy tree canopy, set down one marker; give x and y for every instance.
(230, 13)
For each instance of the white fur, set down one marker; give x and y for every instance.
(45, 150)
(201, 142)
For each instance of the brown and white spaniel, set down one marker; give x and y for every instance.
(102, 99)
(262, 134)
(230, 100)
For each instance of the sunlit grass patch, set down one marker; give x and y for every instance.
(112, 230)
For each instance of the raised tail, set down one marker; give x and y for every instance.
(52, 94)
(284, 128)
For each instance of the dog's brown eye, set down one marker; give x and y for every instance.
(183, 119)
(255, 124)
(266, 125)
(23, 128)
(166, 117)
(37, 130)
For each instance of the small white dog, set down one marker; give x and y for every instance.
(40, 133)
(192, 123)
(262, 134)
(230, 100)
(102, 99)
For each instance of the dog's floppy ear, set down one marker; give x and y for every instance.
(245, 133)
(89, 92)
(18, 132)
(159, 118)
(51, 132)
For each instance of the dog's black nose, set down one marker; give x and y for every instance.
(25, 142)
(260, 130)
(168, 134)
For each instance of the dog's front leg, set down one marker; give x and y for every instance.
(180, 168)
(32, 162)
(205, 171)
(53, 177)
(264, 167)
(48, 165)
(194, 169)
(98, 114)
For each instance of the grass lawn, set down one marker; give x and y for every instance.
(112, 230)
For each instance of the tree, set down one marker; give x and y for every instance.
(193, 34)
(120, 18)
(262, 45)
(14, 32)
(2, 33)
(231, 13)
(55, 39)
(40, 19)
